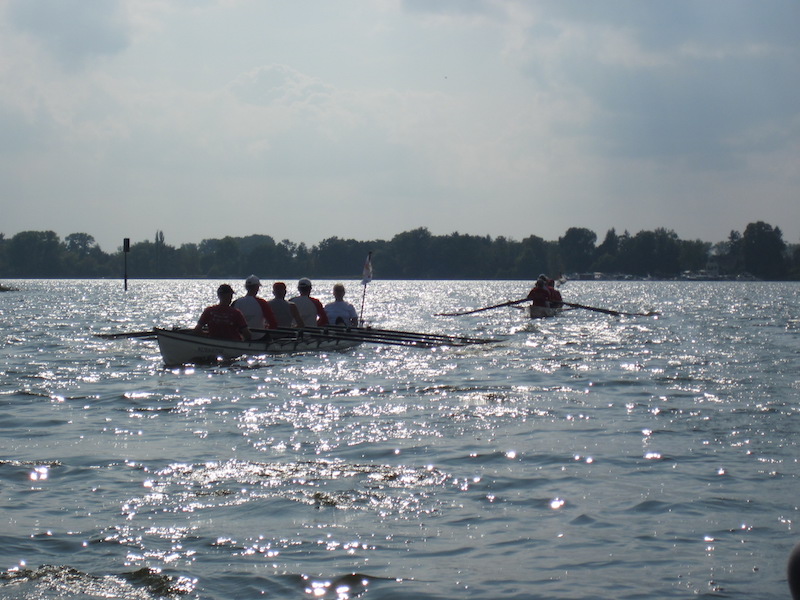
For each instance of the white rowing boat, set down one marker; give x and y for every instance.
(182, 346)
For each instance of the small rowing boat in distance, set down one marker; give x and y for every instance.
(182, 346)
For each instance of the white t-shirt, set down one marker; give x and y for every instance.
(251, 310)
(340, 309)
(307, 309)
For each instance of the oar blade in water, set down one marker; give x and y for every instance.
(125, 335)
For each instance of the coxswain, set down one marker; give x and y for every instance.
(339, 311)
(256, 310)
(311, 309)
(221, 320)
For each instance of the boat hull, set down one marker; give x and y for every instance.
(542, 312)
(180, 347)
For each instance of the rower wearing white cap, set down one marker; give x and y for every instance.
(311, 309)
(256, 310)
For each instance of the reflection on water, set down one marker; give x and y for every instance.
(584, 456)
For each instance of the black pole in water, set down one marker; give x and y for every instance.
(126, 247)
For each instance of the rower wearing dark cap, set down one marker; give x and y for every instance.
(221, 320)
(286, 313)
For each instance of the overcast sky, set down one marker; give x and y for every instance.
(307, 119)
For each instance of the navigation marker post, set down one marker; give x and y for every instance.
(366, 277)
(126, 247)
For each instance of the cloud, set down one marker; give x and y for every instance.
(72, 31)
(450, 7)
(680, 80)
(272, 84)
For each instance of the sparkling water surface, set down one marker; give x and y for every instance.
(585, 456)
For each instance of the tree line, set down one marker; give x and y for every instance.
(759, 251)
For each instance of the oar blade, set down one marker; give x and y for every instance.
(125, 335)
(608, 311)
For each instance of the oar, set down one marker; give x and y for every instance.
(123, 335)
(325, 334)
(469, 312)
(608, 311)
(429, 336)
(426, 337)
(334, 331)
(382, 336)
(368, 336)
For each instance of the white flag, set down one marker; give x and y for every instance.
(366, 276)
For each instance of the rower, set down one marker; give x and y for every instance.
(285, 312)
(311, 309)
(221, 320)
(556, 301)
(256, 310)
(540, 295)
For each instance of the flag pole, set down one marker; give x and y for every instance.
(365, 279)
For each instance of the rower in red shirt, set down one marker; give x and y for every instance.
(540, 295)
(221, 320)
(556, 301)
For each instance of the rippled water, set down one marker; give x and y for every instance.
(586, 456)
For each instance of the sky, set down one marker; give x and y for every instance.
(309, 119)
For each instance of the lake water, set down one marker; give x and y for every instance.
(585, 456)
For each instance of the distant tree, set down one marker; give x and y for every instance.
(188, 261)
(412, 253)
(303, 264)
(251, 242)
(338, 258)
(458, 256)
(158, 252)
(694, 255)
(654, 253)
(3, 259)
(79, 243)
(501, 257)
(793, 269)
(35, 254)
(82, 257)
(269, 260)
(532, 259)
(577, 247)
(607, 252)
(763, 251)
(728, 254)
(219, 257)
